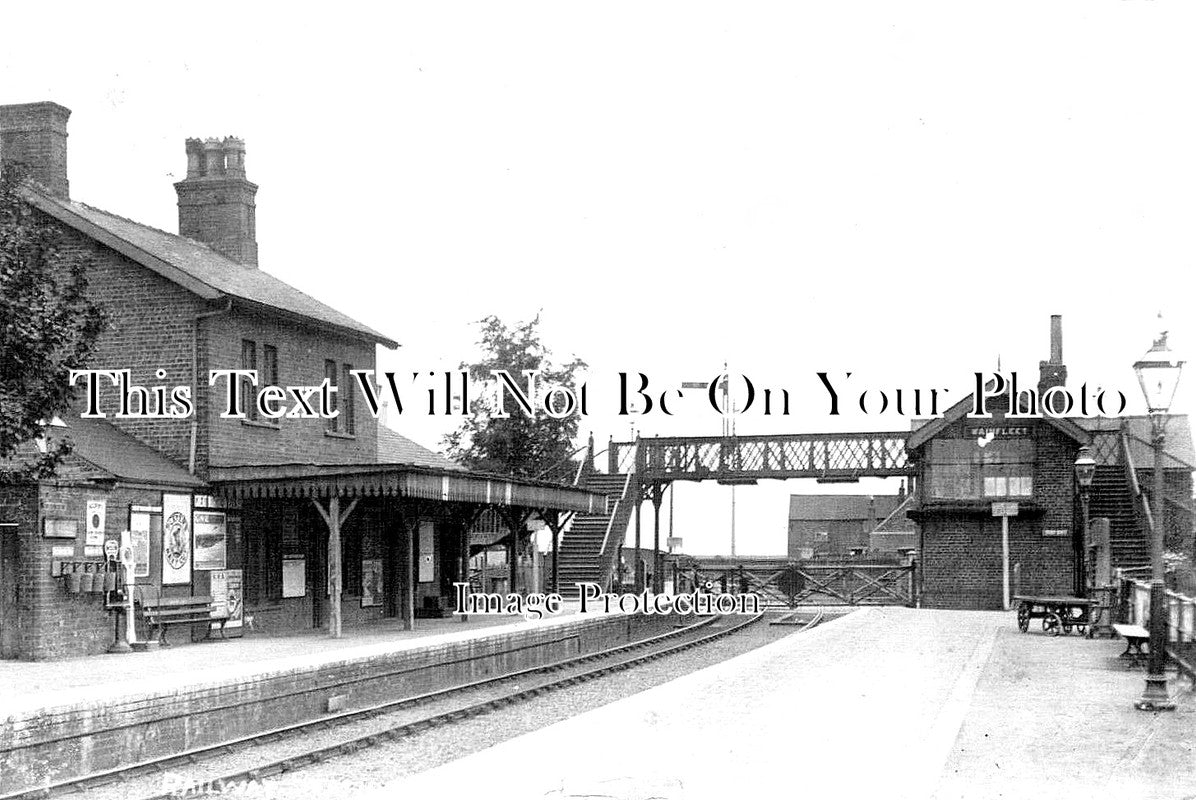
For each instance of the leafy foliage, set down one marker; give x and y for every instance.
(518, 445)
(47, 326)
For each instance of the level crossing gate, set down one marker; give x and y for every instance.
(783, 583)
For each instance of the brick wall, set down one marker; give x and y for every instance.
(301, 355)
(45, 620)
(961, 559)
(18, 504)
(34, 134)
(150, 328)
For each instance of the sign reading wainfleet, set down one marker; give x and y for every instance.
(176, 538)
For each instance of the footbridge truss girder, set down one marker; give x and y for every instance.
(827, 456)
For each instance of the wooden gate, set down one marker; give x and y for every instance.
(787, 584)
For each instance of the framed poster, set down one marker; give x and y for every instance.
(176, 538)
(294, 576)
(96, 511)
(211, 540)
(371, 582)
(427, 552)
(139, 539)
(60, 528)
(227, 598)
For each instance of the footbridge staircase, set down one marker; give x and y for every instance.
(589, 550)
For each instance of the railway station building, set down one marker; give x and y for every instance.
(248, 512)
(969, 470)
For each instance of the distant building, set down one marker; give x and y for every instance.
(896, 533)
(836, 524)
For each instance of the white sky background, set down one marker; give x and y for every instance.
(899, 190)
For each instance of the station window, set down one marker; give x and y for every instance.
(269, 365)
(249, 361)
(959, 469)
(346, 400)
(331, 423)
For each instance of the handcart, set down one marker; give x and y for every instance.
(1058, 614)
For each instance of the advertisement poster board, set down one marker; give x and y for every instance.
(427, 552)
(371, 582)
(176, 538)
(139, 538)
(210, 540)
(294, 576)
(227, 597)
(96, 511)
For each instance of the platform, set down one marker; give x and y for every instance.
(884, 702)
(77, 717)
(34, 684)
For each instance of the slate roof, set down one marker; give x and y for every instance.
(394, 448)
(197, 267)
(818, 507)
(115, 454)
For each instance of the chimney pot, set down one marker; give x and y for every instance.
(214, 158)
(234, 156)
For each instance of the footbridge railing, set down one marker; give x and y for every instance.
(829, 456)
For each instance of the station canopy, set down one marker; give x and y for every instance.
(400, 481)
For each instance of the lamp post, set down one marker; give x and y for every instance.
(1158, 373)
(1085, 472)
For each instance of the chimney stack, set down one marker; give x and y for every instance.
(216, 201)
(34, 135)
(1053, 373)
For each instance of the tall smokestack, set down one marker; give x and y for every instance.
(1053, 372)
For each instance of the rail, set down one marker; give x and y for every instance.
(606, 555)
(1141, 502)
(658, 646)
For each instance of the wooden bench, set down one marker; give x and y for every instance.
(162, 612)
(1135, 636)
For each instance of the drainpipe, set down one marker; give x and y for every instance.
(195, 375)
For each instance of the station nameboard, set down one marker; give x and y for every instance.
(1005, 509)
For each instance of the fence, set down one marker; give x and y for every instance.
(1134, 595)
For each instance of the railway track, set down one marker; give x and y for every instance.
(576, 670)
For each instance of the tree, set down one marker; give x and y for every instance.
(48, 326)
(519, 445)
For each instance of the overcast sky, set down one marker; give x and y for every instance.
(905, 191)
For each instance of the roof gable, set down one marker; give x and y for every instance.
(923, 434)
(197, 267)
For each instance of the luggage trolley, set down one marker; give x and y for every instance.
(1058, 614)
